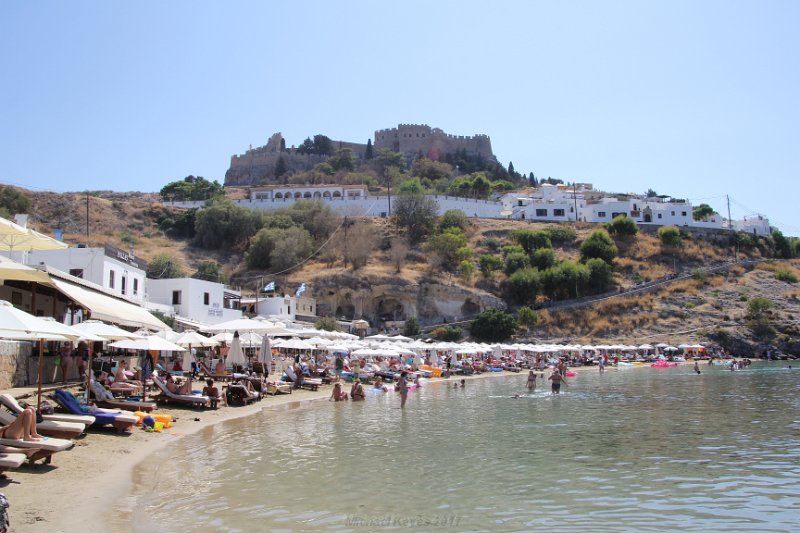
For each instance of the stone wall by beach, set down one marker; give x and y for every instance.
(14, 360)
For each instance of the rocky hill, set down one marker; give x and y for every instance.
(708, 307)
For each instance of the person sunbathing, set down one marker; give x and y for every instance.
(121, 375)
(219, 369)
(174, 387)
(338, 395)
(23, 427)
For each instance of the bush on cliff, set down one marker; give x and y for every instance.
(493, 325)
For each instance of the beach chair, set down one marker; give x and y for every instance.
(102, 417)
(9, 461)
(51, 428)
(14, 406)
(277, 387)
(207, 373)
(193, 400)
(35, 450)
(305, 383)
(103, 397)
(238, 394)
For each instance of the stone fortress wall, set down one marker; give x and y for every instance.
(257, 165)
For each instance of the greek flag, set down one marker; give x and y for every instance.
(301, 289)
(270, 286)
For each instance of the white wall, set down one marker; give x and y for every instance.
(192, 305)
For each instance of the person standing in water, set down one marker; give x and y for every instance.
(557, 380)
(601, 364)
(531, 384)
(402, 388)
(696, 368)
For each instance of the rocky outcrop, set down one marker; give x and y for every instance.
(384, 298)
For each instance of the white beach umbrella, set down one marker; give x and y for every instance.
(294, 344)
(149, 343)
(15, 238)
(265, 356)
(71, 332)
(241, 325)
(107, 331)
(236, 353)
(224, 336)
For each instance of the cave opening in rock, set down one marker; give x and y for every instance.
(391, 309)
(470, 308)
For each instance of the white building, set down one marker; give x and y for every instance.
(307, 192)
(117, 271)
(757, 225)
(199, 301)
(284, 308)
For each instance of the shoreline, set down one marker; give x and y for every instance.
(97, 475)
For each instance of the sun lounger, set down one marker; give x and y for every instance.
(103, 417)
(44, 449)
(238, 394)
(11, 460)
(166, 395)
(104, 398)
(305, 383)
(14, 406)
(280, 387)
(51, 428)
(207, 373)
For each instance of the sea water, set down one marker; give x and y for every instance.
(633, 449)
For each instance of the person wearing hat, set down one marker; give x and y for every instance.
(357, 391)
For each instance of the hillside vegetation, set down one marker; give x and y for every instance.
(528, 265)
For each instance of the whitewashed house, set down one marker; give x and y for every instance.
(285, 308)
(199, 301)
(117, 271)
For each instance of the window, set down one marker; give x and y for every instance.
(135, 286)
(558, 212)
(601, 214)
(683, 213)
(206, 298)
(541, 212)
(176, 297)
(16, 298)
(122, 283)
(673, 213)
(77, 272)
(659, 215)
(110, 279)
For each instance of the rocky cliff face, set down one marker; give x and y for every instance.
(392, 299)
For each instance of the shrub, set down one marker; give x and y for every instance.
(210, 271)
(447, 333)
(490, 263)
(566, 280)
(466, 269)
(453, 218)
(490, 243)
(561, 234)
(279, 249)
(411, 327)
(543, 258)
(527, 317)
(327, 323)
(670, 236)
(531, 240)
(600, 274)
(622, 226)
(515, 261)
(493, 325)
(225, 225)
(786, 275)
(512, 249)
(164, 266)
(450, 246)
(599, 245)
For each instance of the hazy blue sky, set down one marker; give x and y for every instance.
(695, 99)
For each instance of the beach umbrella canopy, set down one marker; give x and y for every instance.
(149, 343)
(192, 338)
(107, 331)
(236, 354)
(242, 325)
(12, 270)
(265, 356)
(295, 344)
(223, 336)
(71, 332)
(250, 338)
(15, 238)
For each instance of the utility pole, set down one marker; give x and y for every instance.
(346, 224)
(575, 197)
(730, 222)
(87, 218)
(258, 289)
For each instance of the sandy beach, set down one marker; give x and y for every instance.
(78, 489)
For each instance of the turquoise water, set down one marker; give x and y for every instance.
(634, 449)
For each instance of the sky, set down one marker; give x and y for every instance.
(696, 100)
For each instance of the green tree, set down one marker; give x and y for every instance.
(447, 246)
(368, 153)
(466, 270)
(783, 247)
(178, 225)
(758, 314)
(493, 325)
(164, 266)
(600, 275)
(387, 158)
(411, 327)
(527, 317)
(702, 212)
(447, 333)
(343, 159)
(453, 218)
(561, 234)
(13, 201)
(622, 226)
(432, 170)
(566, 280)
(210, 271)
(315, 216)
(531, 240)
(225, 225)
(411, 186)
(327, 323)
(279, 249)
(280, 167)
(323, 145)
(523, 286)
(598, 244)
(512, 249)
(670, 236)
(415, 214)
(192, 189)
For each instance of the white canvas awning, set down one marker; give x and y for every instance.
(106, 308)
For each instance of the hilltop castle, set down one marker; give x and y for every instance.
(257, 165)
